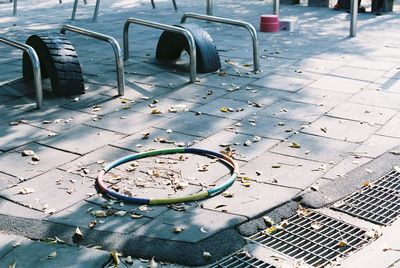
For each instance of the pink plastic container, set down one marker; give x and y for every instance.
(269, 23)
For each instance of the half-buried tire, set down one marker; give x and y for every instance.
(170, 47)
(58, 61)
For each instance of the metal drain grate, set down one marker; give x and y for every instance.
(316, 239)
(241, 260)
(378, 203)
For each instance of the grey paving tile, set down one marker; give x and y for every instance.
(196, 125)
(250, 201)
(282, 82)
(315, 148)
(192, 222)
(225, 140)
(15, 210)
(126, 122)
(7, 180)
(323, 66)
(293, 111)
(55, 189)
(260, 95)
(23, 166)
(232, 109)
(393, 73)
(358, 73)
(9, 242)
(318, 97)
(142, 67)
(273, 62)
(137, 92)
(386, 85)
(55, 119)
(339, 84)
(196, 93)
(341, 129)
(67, 256)
(164, 79)
(348, 164)
(227, 82)
(157, 139)
(376, 145)
(362, 113)
(391, 128)
(90, 164)
(372, 64)
(165, 106)
(268, 127)
(9, 114)
(17, 135)
(81, 215)
(283, 170)
(377, 98)
(81, 139)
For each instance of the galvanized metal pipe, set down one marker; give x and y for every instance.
(210, 7)
(117, 51)
(248, 26)
(37, 77)
(96, 10)
(165, 27)
(353, 18)
(15, 8)
(74, 9)
(275, 8)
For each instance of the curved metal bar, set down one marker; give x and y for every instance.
(117, 51)
(165, 27)
(37, 77)
(353, 17)
(248, 26)
(96, 10)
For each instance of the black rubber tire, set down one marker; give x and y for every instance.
(170, 47)
(58, 61)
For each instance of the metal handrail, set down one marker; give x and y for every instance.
(210, 7)
(169, 28)
(117, 51)
(353, 18)
(37, 77)
(248, 26)
(275, 7)
(75, 6)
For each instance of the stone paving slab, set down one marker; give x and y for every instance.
(7, 180)
(319, 97)
(322, 66)
(52, 191)
(228, 82)
(281, 170)
(373, 64)
(17, 135)
(260, 95)
(377, 98)
(362, 113)
(356, 73)
(250, 201)
(66, 256)
(391, 128)
(24, 167)
(80, 215)
(226, 140)
(386, 84)
(197, 224)
(341, 129)
(155, 139)
(282, 82)
(315, 148)
(197, 93)
(9, 242)
(227, 108)
(137, 92)
(126, 122)
(376, 145)
(196, 125)
(339, 84)
(12, 209)
(293, 111)
(73, 141)
(348, 164)
(268, 127)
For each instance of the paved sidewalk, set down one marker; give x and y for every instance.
(310, 128)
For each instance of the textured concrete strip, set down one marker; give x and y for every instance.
(352, 181)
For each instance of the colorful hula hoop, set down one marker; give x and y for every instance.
(171, 200)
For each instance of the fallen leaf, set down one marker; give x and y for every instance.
(129, 260)
(52, 255)
(207, 255)
(295, 145)
(316, 225)
(99, 213)
(373, 234)
(397, 169)
(35, 158)
(169, 131)
(342, 243)
(152, 263)
(47, 122)
(178, 230)
(276, 166)
(366, 184)
(203, 230)
(268, 221)
(324, 129)
(224, 109)
(136, 216)
(120, 213)
(155, 111)
(92, 224)
(256, 139)
(27, 153)
(227, 194)
(12, 265)
(247, 143)
(271, 230)
(26, 191)
(115, 256)
(314, 187)
(302, 211)
(145, 135)
(78, 234)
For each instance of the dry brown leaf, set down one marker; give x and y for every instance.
(26, 190)
(268, 220)
(12, 265)
(136, 216)
(207, 255)
(224, 109)
(115, 256)
(227, 194)
(178, 230)
(152, 263)
(295, 145)
(342, 243)
(316, 225)
(52, 255)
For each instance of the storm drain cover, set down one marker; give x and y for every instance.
(312, 237)
(242, 260)
(377, 202)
